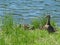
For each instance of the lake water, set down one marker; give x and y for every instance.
(28, 9)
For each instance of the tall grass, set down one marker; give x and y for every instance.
(13, 35)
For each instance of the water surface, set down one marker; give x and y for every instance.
(28, 9)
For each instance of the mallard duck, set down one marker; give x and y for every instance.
(48, 26)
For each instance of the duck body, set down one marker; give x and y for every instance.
(49, 28)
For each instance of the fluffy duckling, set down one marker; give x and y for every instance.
(26, 26)
(32, 27)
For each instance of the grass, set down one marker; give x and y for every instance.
(13, 35)
(41, 21)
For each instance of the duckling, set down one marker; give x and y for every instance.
(26, 26)
(32, 27)
(48, 26)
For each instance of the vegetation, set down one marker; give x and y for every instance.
(41, 21)
(10, 34)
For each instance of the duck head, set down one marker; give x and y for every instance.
(48, 16)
